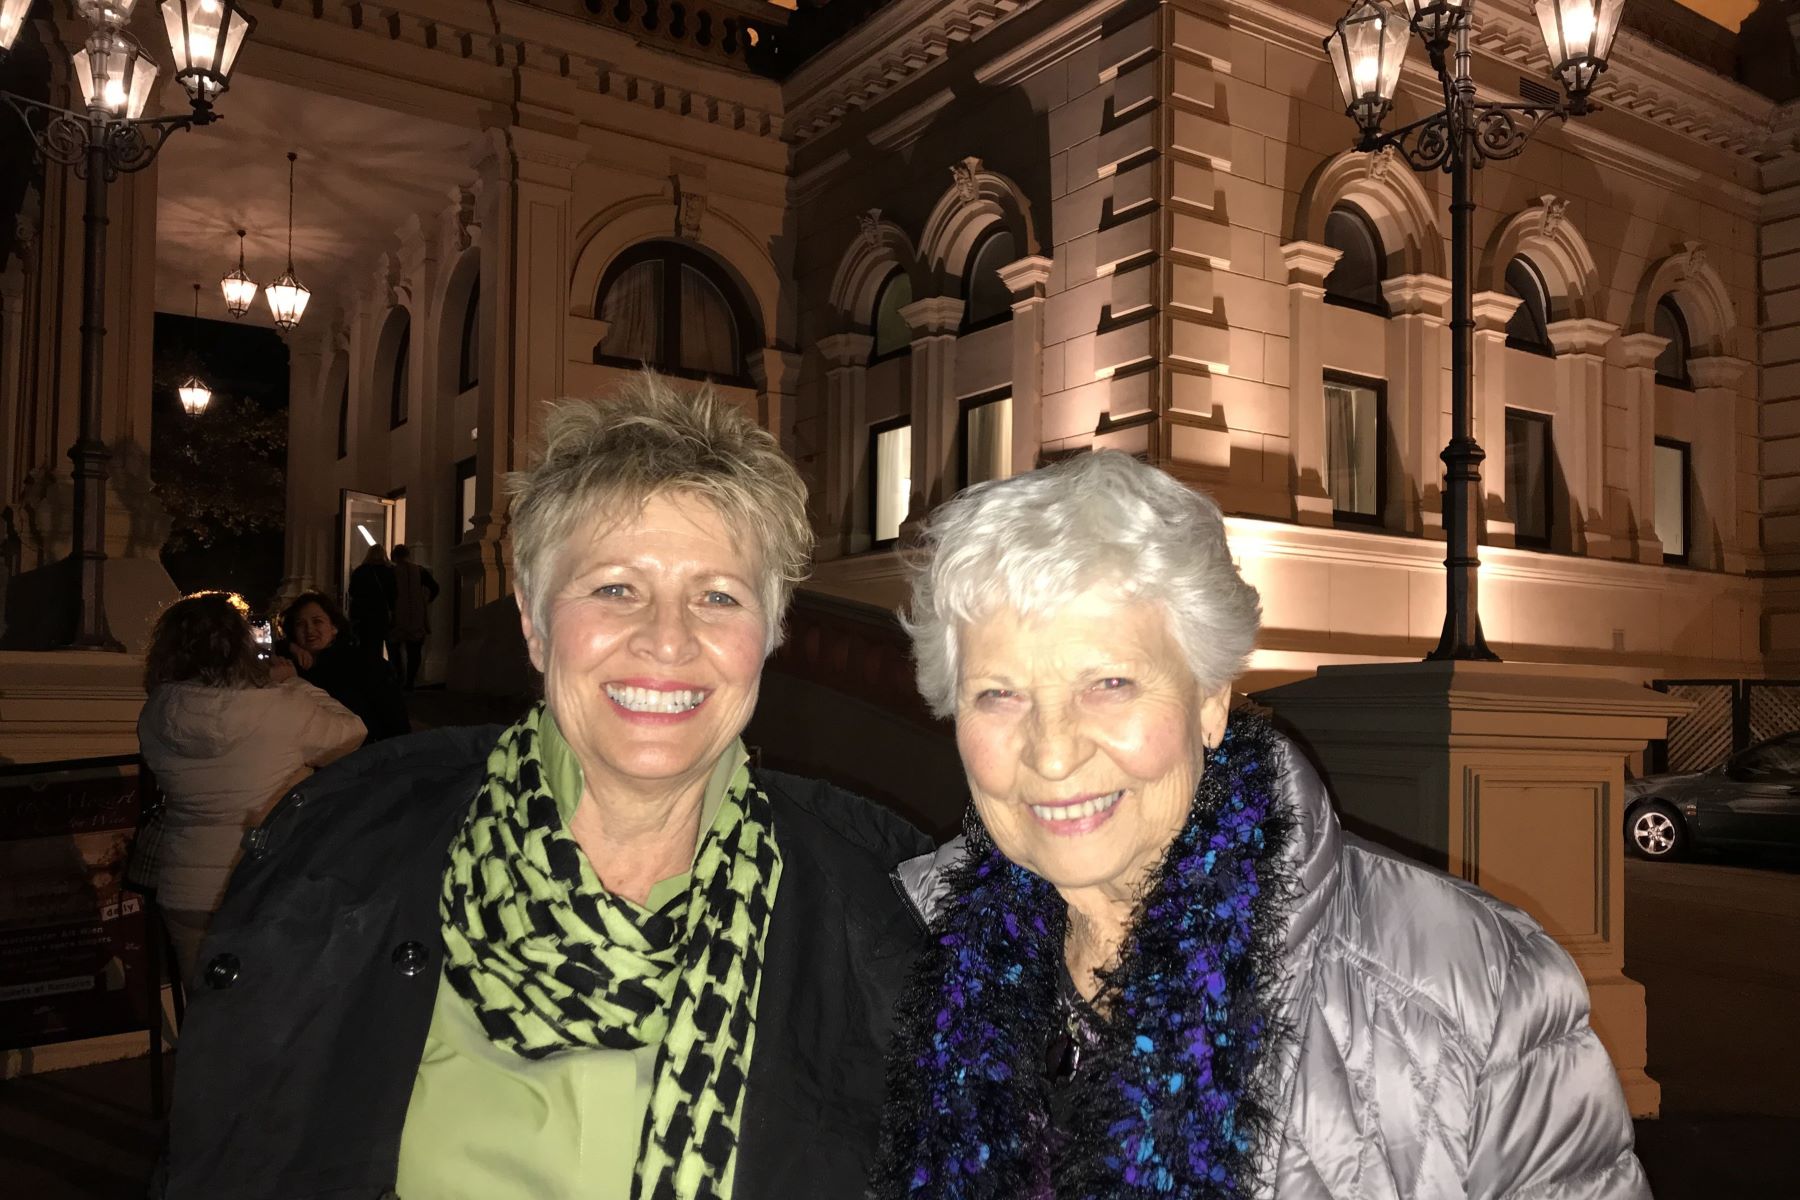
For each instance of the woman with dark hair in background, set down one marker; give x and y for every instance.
(318, 639)
(226, 737)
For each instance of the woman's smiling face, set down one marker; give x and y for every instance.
(1084, 735)
(653, 649)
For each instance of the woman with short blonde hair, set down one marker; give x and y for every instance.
(597, 953)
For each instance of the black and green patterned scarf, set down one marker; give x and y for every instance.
(551, 961)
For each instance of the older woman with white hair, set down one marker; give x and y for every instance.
(1157, 967)
(597, 954)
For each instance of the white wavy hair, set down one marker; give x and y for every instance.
(1036, 540)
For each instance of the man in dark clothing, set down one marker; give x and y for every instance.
(414, 590)
(372, 596)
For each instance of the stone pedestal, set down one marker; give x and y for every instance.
(1510, 776)
(57, 704)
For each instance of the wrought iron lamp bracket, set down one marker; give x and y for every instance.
(1491, 132)
(131, 144)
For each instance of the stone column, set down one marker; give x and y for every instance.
(1028, 279)
(1509, 776)
(1715, 466)
(1308, 263)
(1637, 354)
(1418, 395)
(776, 373)
(844, 500)
(312, 441)
(1492, 310)
(931, 378)
(1580, 345)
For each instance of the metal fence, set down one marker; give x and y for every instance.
(1729, 715)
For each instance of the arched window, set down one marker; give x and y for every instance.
(399, 369)
(989, 300)
(343, 445)
(891, 332)
(1672, 363)
(669, 306)
(1356, 280)
(468, 358)
(1529, 328)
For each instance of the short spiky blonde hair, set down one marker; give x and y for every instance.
(606, 458)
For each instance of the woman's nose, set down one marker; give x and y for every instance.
(1055, 745)
(666, 634)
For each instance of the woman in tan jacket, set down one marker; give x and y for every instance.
(226, 737)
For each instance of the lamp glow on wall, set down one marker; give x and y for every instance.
(287, 297)
(194, 393)
(239, 289)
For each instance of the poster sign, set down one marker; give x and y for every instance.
(72, 958)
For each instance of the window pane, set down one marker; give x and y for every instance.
(708, 336)
(892, 333)
(1528, 477)
(1357, 276)
(1353, 449)
(633, 310)
(1672, 362)
(989, 297)
(1671, 499)
(1529, 325)
(987, 441)
(893, 480)
(467, 525)
(343, 445)
(402, 372)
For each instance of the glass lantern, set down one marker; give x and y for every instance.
(1366, 50)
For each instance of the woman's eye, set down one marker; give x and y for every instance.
(721, 599)
(613, 591)
(993, 695)
(1112, 684)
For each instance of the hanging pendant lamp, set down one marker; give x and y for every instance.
(239, 288)
(287, 297)
(195, 395)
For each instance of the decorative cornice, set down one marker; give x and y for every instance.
(905, 129)
(1308, 263)
(1716, 371)
(1027, 278)
(1492, 310)
(882, 54)
(934, 316)
(1418, 296)
(1641, 350)
(846, 349)
(1054, 44)
(1581, 336)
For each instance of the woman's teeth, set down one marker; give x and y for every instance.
(648, 700)
(1074, 812)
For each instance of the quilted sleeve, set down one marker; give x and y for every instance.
(1550, 1121)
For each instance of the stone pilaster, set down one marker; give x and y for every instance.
(1027, 279)
(776, 373)
(931, 379)
(1637, 358)
(1580, 345)
(1715, 484)
(1492, 310)
(1308, 263)
(1418, 396)
(844, 503)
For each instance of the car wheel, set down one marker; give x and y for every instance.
(1654, 830)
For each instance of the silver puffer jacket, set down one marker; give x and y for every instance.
(1443, 1047)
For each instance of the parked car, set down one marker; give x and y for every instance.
(1752, 799)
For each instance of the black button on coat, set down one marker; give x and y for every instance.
(294, 1080)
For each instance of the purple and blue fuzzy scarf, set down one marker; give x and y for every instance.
(1170, 1102)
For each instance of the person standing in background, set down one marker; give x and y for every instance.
(414, 590)
(372, 595)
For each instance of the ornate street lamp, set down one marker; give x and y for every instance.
(110, 135)
(287, 297)
(238, 287)
(1456, 139)
(194, 393)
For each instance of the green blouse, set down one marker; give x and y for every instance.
(486, 1124)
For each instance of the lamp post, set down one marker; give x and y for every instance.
(108, 136)
(1367, 49)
